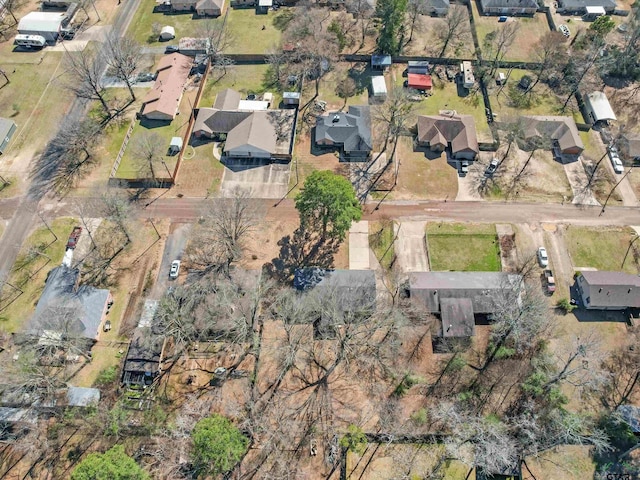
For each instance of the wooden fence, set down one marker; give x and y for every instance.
(123, 147)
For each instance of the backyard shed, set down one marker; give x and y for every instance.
(7, 129)
(45, 24)
(175, 146)
(418, 66)
(595, 11)
(380, 62)
(466, 70)
(378, 87)
(167, 33)
(264, 6)
(267, 97)
(291, 98)
(598, 108)
(420, 82)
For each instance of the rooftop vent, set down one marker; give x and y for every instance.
(336, 118)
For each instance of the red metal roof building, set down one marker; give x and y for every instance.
(420, 81)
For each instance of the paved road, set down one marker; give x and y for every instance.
(23, 213)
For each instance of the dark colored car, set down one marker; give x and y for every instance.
(171, 49)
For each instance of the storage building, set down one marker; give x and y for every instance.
(45, 24)
(378, 87)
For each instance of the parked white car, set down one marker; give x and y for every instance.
(563, 29)
(175, 269)
(618, 167)
(543, 258)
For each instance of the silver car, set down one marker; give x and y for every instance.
(618, 167)
(543, 258)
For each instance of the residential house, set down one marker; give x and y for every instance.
(349, 131)
(420, 81)
(579, 7)
(163, 100)
(438, 8)
(561, 132)
(251, 130)
(451, 130)
(459, 299)
(203, 8)
(602, 290)
(380, 62)
(45, 24)
(508, 7)
(599, 109)
(69, 309)
(629, 146)
(7, 129)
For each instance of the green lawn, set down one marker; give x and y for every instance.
(381, 237)
(244, 27)
(243, 78)
(24, 276)
(601, 248)
(463, 247)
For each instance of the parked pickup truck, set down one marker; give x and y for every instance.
(550, 281)
(73, 238)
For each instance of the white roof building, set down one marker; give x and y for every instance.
(598, 108)
(253, 105)
(41, 22)
(378, 86)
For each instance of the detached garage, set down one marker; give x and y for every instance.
(45, 24)
(378, 87)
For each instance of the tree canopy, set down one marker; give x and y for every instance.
(114, 464)
(391, 15)
(602, 26)
(328, 201)
(217, 445)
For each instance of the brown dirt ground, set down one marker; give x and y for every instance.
(426, 43)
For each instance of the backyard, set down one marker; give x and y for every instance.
(463, 247)
(245, 79)
(603, 248)
(244, 28)
(530, 30)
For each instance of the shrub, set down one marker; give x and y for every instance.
(565, 305)
(354, 440)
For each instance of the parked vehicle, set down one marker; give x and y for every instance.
(618, 167)
(543, 258)
(73, 238)
(464, 168)
(175, 269)
(563, 29)
(145, 77)
(550, 282)
(30, 41)
(107, 326)
(491, 169)
(172, 49)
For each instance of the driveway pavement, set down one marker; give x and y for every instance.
(173, 249)
(359, 246)
(257, 178)
(410, 246)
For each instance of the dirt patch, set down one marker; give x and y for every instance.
(262, 246)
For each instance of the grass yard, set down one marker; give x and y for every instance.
(243, 78)
(426, 42)
(381, 237)
(602, 248)
(200, 173)
(164, 130)
(360, 72)
(544, 101)
(35, 99)
(30, 272)
(564, 463)
(244, 28)
(531, 29)
(102, 357)
(445, 97)
(463, 247)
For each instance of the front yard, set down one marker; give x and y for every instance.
(603, 248)
(463, 247)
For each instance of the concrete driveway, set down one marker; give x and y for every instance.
(173, 249)
(258, 178)
(359, 246)
(409, 246)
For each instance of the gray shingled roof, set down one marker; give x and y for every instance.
(227, 99)
(437, 3)
(430, 288)
(353, 288)
(351, 130)
(612, 289)
(82, 396)
(631, 415)
(579, 4)
(63, 307)
(509, 4)
(457, 317)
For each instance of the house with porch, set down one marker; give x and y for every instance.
(449, 130)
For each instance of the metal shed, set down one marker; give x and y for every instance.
(45, 24)
(378, 87)
(598, 108)
(175, 146)
(291, 98)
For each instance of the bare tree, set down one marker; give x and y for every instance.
(623, 369)
(123, 55)
(415, 8)
(453, 27)
(498, 42)
(148, 151)
(85, 69)
(548, 52)
(362, 12)
(395, 115)
(217, 37)
(346, 88)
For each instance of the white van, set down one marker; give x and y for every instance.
(30, 41)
